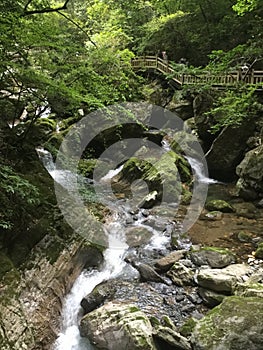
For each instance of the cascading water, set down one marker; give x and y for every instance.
(69, 337)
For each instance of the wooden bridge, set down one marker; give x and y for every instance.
(252, 77)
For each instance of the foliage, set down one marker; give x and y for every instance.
(16, 191)
(233, 107)
(243, 6)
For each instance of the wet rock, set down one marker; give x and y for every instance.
(137, 236)
(165, 263)
(119, 326)
(219, 205)
(237, 323)
(147, 273)
(150, 200)
(212, 256)
(168, 338)
(181, 275)
(210, 297)
(98, 295)
(222, 280)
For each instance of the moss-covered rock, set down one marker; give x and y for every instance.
(259, 251)
(213, 256)
(219, 205)
(237, 323)
(119, 326)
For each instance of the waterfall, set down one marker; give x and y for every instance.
(199, 171)
(69, 337)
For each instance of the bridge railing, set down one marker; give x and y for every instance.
(228, 79)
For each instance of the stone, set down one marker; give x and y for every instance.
(137, 236)
(165, 263)
(249, 290)
(222, 280)
(181, 275)
(259, 251)
(119, 326)
(227, 150)
(250, 182)
(147, 273)
(169, 338)
(219, 205)
(212, 216)
(213, 256)
(237, 323)
(210, 298)
(98, 295)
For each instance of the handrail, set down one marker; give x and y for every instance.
(229, 79)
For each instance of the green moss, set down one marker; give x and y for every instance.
(187, 328)
(259, 251)
(219, 205)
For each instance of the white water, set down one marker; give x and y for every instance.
(69, 337)
(198, 168)
(112, 173)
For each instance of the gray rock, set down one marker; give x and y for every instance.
(250, 172)
(137, 236)
(165, 263)
(222, 280)
(171, 338)
(147, 273)
(235, 324)
(212, 256)
(211, 298)
(181, 275)
(119, 326)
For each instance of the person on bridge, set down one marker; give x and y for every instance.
(165, 57)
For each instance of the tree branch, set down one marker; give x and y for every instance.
(44, 10)
(78, 26)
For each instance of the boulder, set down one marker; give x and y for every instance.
(147, 273)
(249, 290)
(98, 295)
(165, 263)
(211, 298)
(168, 338)
(227, 151)
(181, 275)
(237, 323)
(137, 236)
(250, 183)
(119, 326)
(222, 280)
(219, 205)
(212, 256)
(259, 251)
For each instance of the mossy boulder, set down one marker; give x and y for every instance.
(219, 205)
(213, 256)
(259, 251)
(237, 323)
(116, 325)
(166, 175)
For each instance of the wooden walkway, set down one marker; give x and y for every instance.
(254, 77)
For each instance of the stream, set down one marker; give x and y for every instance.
(114, 264)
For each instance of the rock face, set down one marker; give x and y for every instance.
(30, 307)
(250, 184)
(237, 323)
(227, 151)
(119, 326)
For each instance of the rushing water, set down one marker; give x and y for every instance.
(69, 337)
